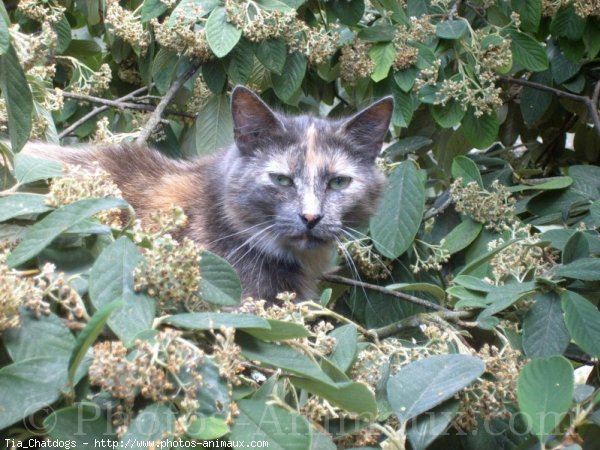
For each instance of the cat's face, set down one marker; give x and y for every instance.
(301, 182)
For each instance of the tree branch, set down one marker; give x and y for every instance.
(94, 112)
(432, 212)
(161, 107)
(121, 104)
(443, 312)
(590, 102)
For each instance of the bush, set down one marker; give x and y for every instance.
(466, 316)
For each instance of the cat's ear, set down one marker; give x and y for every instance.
(368, 127)
(253, 121)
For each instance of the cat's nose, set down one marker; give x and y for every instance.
(310, 220)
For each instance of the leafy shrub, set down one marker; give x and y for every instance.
(466, 316)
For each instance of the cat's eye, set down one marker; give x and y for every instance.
(281, 179)
(339, 183)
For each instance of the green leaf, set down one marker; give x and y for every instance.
(583, 322)
(270, 424)
(383, 55)
(111, 278)
(404, 146)
(40, 235)
(567, 23)
(152, 9)
(562, 68)
(29, 169)
(424, 430)
(474, 283)
(550, 184)
(501, 298)
(164, 68)
(544, 330)
(405, 78)
(483, 259)
(279, 331)
(214, 126)
(288, 83)
(528, 52)
(426, 383)
(575, 248)
(451, 29)
(241, 62)
(88, 335)
(18, 99)
(325, 297)
(405, 106)
(207, 428)
(462, 236)
(481, 131)
(544, 393)
(221, 35)
(595, 212)
(219, 282)
(464, 167)
(214, 76)
(351, 396)
(535, 102)
(29, 385)
(272, 54)
(398, 218)
(349, 12)
(530, 12)
(213, 321)
(429, 288)
(275, 5)
(214, 394)
(344, 351)
(4, 36)
(81, 424)
(153, 423)
(448, 115)
(282, 357)
(22, 205)
(398, 14)
(63, 33)
(587, 269)
(37, 337)
(378, 33)
(586, 180)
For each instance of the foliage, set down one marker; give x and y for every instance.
(467, 316)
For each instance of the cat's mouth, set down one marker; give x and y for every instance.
(307, 240)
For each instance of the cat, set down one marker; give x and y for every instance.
(274, 203)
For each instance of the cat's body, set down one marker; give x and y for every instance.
(273, 203)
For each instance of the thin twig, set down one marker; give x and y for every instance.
(122, 105)
(444, 313)
(590, 103)
(97, 110)
(162, 105)
(432, 212)
(454, 10)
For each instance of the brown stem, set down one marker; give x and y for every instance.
(432, 212)
(590, 102)
(162, 105)
(444, 313)
(94, 112)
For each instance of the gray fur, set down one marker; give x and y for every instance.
(236, 210)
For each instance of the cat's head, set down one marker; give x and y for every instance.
(299, 182)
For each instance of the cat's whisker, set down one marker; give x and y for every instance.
(249, 242)
(240, 232)
(351, 265)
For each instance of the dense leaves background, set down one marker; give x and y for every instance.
(466, 316)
